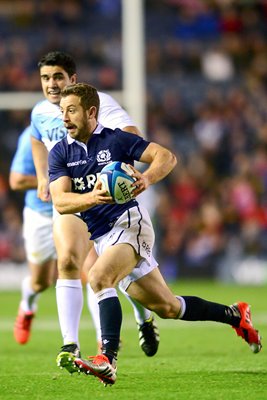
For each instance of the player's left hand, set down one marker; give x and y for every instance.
(141, 182)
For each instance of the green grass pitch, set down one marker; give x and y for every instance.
(197, 360)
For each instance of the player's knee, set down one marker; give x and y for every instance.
(167, 311)
(68, 263)
(99, 281)
(40, 286)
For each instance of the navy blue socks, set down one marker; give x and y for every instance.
(110, 320)
(198, 309)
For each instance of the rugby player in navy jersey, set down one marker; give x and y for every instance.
(123, 235)
(58, 69)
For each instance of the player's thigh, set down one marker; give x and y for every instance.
(38, 236)
(71, 236)
(152, 291)
(113, 265)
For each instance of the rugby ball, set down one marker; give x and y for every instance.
(117, 180)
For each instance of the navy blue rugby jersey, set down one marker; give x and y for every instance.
(83, 162)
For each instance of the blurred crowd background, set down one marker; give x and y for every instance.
(206, 99)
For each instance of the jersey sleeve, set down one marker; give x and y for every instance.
(111, 114)
(57, 164)
(34, 126)
(22, 161)
(132, 145)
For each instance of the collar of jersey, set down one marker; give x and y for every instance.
(97, 131)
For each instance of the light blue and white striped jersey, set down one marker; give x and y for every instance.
(23, 163)
(47, 124)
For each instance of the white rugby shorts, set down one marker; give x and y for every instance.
(134, 227)
(38, 236)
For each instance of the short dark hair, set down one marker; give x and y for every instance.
(64, 60)
(87, 94)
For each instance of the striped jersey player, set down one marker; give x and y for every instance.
(37, 234)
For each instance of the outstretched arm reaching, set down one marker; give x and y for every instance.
(40, 158)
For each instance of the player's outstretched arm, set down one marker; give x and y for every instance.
(19, 181)
(40, 159)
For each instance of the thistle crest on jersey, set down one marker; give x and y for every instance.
(117, 180)
(103, 156)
